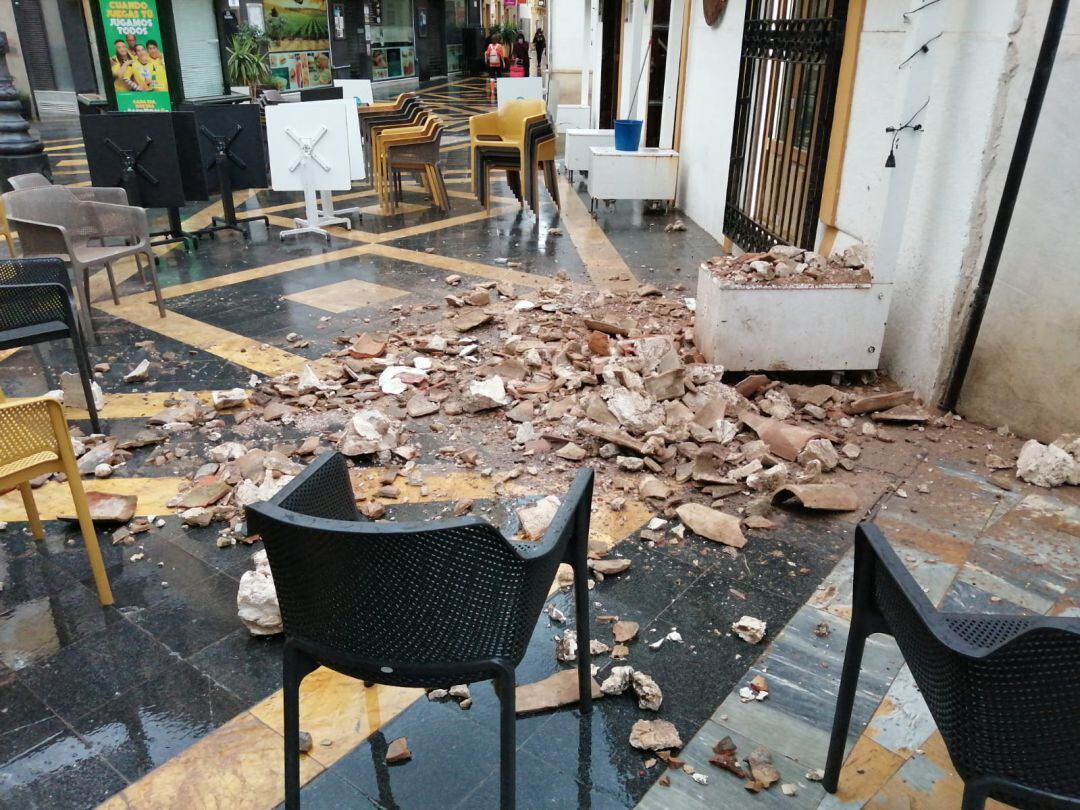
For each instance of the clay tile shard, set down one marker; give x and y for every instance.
(624, 631)
(752, 385)
(902, 413)
(204, 494)
(106, 507)
(609, 567)
(398, 751)
(607, 327)
(782, 439)
(553, 692)
(761, 767)
(819, 497)
(879, 402)
(365, 347)
(712, 524)
(725, 757)
(470, 320)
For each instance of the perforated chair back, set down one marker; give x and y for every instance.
(27, 434)
(412, 601)
(1004, 690)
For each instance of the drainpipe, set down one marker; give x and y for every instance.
(1039, 81)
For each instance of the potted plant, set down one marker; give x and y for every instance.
(247, 63)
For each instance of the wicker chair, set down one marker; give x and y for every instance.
(1002, 689)
(51, 221)
(34, 441)
(36, 306)
(421, 605)
(105, 194)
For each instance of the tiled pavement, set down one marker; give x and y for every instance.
(165, 701)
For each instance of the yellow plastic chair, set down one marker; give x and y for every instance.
(505, 126)
(5, 231)
(34, 440)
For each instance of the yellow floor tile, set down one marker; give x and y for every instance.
(54, 499)
(131, 405)
(605, 266)
(877, 766)
(345, 296)
(338, 712)
(240, 766)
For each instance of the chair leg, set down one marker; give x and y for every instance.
(581, 602)
(151, 260)
(295, 666)
(86, 525)
(10, 245)
(976, 792)
(507, 739)
(112, 282)
(142, 270)
(87, 320)
(86, 379)
(36, 529)
(845, 700)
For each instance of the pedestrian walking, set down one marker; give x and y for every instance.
(520, 53)
(539, 45)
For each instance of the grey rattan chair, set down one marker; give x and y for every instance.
(36, 306)
(105, 194)
(423, 158)
(412, 604)
(1004, 690)
(51, 221)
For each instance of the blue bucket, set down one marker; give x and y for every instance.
(627, 134)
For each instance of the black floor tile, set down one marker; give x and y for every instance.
(101, 666)
(24, 720)
(59, 772)
(450, 758)
(37, 628)
(188, 621)
(158, 719)
(248, 666)
(328, 792)
(31, 576)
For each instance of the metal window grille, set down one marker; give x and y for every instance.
(783, 115)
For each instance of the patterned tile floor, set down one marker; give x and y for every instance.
(165, 701)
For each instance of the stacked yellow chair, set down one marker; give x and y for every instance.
(507, 127)
(34, 441)
(385, 140)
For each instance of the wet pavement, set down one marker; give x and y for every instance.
(165, 700)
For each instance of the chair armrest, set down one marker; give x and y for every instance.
(43, 302)
(118, 220)
(103, 194)
(484, 124)
(41, 238)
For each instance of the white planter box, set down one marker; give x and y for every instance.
(647, 174)
(825, 328)
(571, 116)
(576, 153)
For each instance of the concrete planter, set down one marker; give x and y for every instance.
(823, 328)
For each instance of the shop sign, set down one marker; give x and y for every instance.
(138, 69)
(299, 32)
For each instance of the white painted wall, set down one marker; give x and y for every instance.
(712, 74)
(1026, 368)
(567, 47)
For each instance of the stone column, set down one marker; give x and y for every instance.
(20, 152)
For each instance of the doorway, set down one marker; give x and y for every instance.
(430, 21)
(611, 24)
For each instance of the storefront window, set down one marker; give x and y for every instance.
(455, 21)
(390, 35)
(299, 42)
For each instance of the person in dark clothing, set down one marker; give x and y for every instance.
(540, 44)
(520, 52)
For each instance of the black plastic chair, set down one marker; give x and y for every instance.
(412, 604)
(1004, 690)
(37, 305)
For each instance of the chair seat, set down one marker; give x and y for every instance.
(17, 466)
(38, 333)
(98, 254)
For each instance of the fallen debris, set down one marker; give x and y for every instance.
(762, 770)
(256, 601)
(819, 497)
(1050, 465)
(624, 631)
(749, 629)
(553, 692)
(712, 524)
(398, 751)
(654, 735)
(536, 517)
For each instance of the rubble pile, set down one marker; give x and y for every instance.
(789, 266)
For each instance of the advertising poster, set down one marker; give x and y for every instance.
(393, 63)
(138, 69)
(299, 32)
